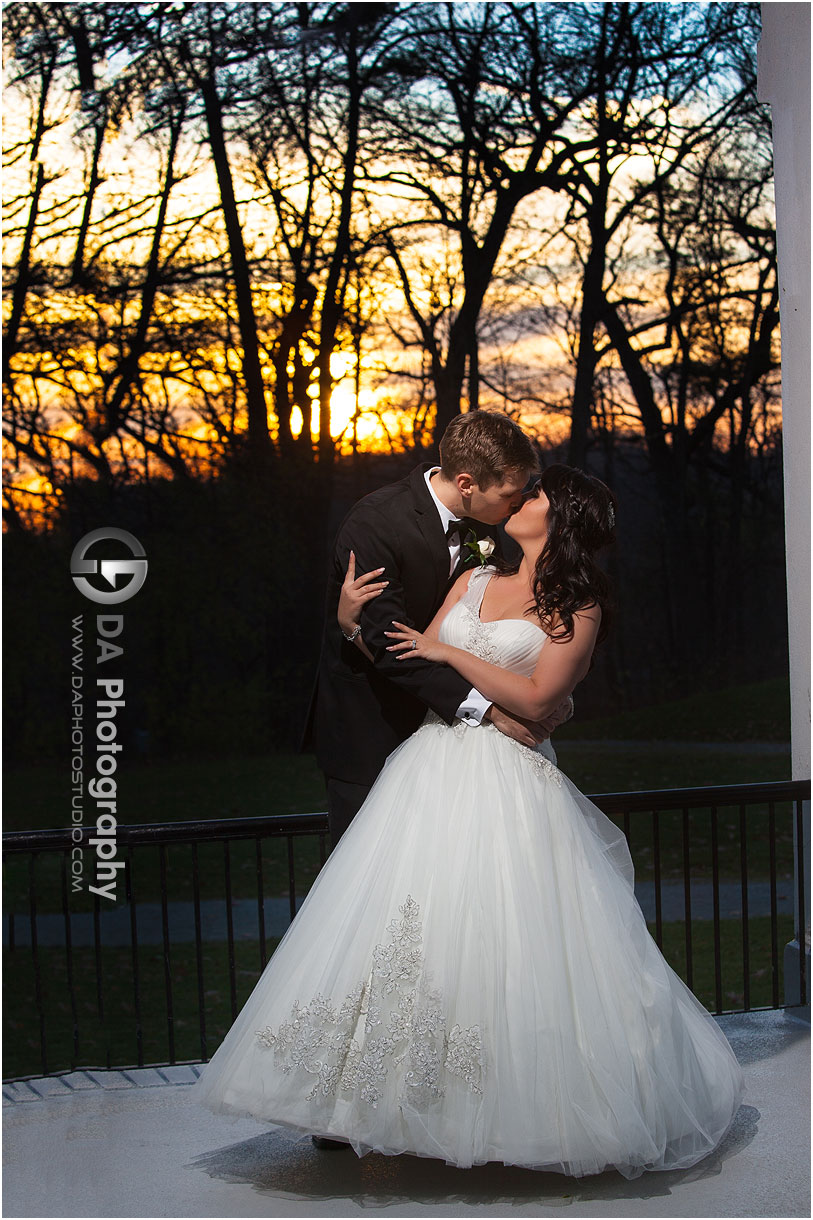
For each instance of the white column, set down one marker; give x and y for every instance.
(784, 82)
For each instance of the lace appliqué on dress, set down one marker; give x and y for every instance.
(337, 1044)
(480, 636)
(433, 721)
(538, 761)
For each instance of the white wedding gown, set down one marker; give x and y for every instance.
(471, 978)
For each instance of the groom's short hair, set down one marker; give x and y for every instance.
(487, 445)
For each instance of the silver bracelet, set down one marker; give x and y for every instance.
(351, 638)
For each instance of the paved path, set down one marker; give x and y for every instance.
(115, 924)
(131, 1144)
(649, 746)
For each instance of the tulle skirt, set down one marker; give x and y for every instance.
(471, 978)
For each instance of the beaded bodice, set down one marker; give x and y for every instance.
(511, 643)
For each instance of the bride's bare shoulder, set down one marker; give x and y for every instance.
(466, 579)
(585, 625)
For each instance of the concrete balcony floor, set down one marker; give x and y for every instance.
(135, 1144)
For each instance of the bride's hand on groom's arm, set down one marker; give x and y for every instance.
(410, 643)
(356, 592)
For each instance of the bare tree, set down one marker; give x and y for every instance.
(309, 132)
(654, 69)
(477, 132)
(36, 59)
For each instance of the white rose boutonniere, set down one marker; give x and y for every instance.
(480, 549)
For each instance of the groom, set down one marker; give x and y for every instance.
(423, 531)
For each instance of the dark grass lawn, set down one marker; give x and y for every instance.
(254, 785)
(122, 1033)
(756, 711)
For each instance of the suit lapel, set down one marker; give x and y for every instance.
(428, 522)
(460, 567)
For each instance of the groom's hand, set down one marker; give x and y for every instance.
(530, 732)
(511, 726)
(560, 715)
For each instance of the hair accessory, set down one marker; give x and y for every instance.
(611, 516)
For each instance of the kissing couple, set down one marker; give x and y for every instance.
(470, 977)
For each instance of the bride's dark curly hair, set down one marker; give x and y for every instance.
(581, 521)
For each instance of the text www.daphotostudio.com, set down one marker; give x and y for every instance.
(94, 679)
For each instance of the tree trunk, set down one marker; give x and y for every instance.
(593, 282)
(73, 22)
(333, 302)
(582, 408)
(23, 277)
(478, 268)
(258, 438)
(282, 401)
(78, 267)
(289, 390)
(474, 376)
(128, 371)
(449, 378)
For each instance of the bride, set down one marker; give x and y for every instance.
(470, 977)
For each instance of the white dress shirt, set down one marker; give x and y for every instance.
(475, 705)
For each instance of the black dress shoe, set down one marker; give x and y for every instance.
(321, 1141)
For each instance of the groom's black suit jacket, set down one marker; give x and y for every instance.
(360, 711)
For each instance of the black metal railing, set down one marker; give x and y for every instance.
(158, 980)
(713, 800)
(24, 932)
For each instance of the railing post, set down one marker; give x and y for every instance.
(796, 962)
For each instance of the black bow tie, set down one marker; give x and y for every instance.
(458, 530)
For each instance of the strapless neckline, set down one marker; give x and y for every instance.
(488, 622)
(497, 641)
